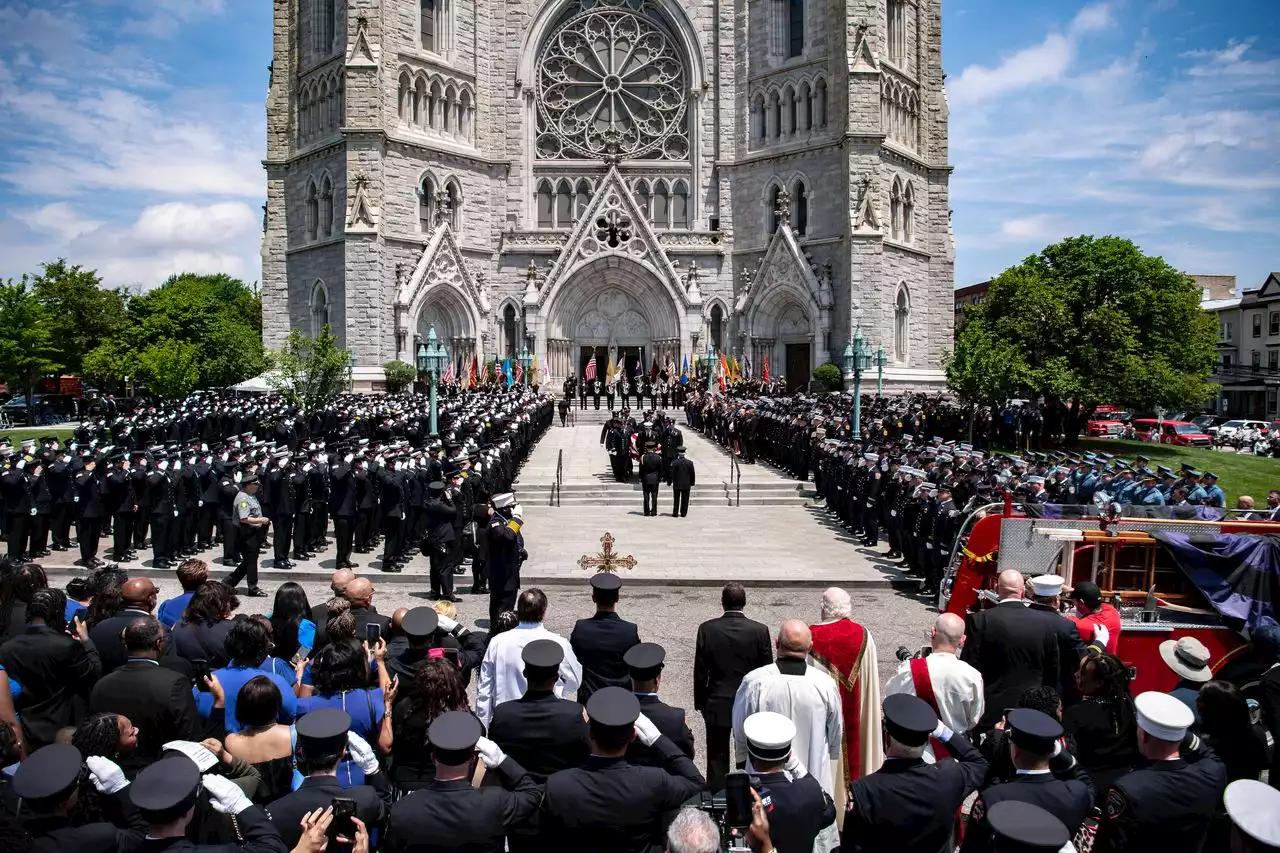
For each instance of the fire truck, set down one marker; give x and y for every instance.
(1139, 556)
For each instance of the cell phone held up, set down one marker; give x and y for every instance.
(372, 632)
(737, 797)
(343, 826)
(202, 672)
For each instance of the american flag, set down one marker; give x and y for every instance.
(449, 373)
(591, 368)
(519, 370)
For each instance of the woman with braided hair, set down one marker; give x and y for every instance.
(1103, 723)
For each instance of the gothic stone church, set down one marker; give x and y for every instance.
(633, 178)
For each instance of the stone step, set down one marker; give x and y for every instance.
(611, 487)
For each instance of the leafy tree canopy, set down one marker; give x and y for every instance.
(171, 368)
(399, 376)
(1089, 320)
(27, 350)
(309, 372)
(79, 312)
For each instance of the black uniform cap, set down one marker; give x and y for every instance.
(543, 654)
(645, 660)
(1034, 730)
(49, 771)
(168, 785)
(909, 719)
(248, 480)
(420, 622)
(613, 707)
(454, 736)
(1019, 827)
(606, 581)
(324, 729)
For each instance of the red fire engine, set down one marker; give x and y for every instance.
(1156, 599)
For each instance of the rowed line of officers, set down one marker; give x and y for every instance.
(662, 391)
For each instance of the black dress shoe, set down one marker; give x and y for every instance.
(455, 599)
(59, 547)
(86, 564)
(45, 553)
(255, 592)
(392, 569)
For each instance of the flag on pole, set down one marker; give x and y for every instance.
(448, 373)
(519, 377)
(670, 368)
(471, 374)
(684, 370)
(546, 373)
(724, 370)
(765, 373)
(609, 372)
(653, 371)
(484, 376)
(746, 365)
(506, 372)
(591, 368)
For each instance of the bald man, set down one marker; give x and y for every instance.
(952, 687)
(139, 596)
(804, 694)
(1015, 648)
(320, 613)
(360, 593)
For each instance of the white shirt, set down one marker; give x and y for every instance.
(957, 688)
(502, 670)
(811, 701)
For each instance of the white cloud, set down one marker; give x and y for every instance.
(63, 220)
(1039, 226)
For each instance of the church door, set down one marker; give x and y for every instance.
(797, 367)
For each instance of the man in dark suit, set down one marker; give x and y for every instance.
(644, 663)
(541, 731)
(650, 475)
(1015, 648)
(682, 480)
(360, 593)
(728, 648)
(156, 699)
(139, 596)
(324, 738)
(600, 642)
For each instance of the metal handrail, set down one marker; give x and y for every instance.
(735, 470)
(555, 487)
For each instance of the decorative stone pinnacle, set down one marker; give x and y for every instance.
(612, 147)
(531, 272)
(443, 207)
(783, 208)
(360, 179)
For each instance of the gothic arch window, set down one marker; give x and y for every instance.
(313, 210)
(804, 100)
(426, 205)
(434, 101)
(760, 121)
(790, 110)
(901, 324)
(800, 208)
(612, 73)
(897, 26)
(546, 204)
(420, 103)
(680, 205)
(582, 198)
(447, 113)
(717, 326)
(326, 208)
(820, 102)
(509, 330)
(771, 209)
(661, 205)
(453, 193)
(795, 28)
(895, 209)
(322, 26)
(404, 98)
(322, 120)
(319, 308)
(564, 204)
(909, 213)
(642, 199)
(464, 115)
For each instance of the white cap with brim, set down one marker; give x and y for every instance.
(1047, 585)
(1162, 716)
(1254, 807)
(769, 736)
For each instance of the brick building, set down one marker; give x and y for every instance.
(635, 178)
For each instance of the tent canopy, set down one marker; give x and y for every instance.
(256, 385)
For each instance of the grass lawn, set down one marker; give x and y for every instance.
(1238, 474)
(17, 434)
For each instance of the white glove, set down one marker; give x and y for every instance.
(199, 754)
(105, 775)
(307, 467)
(224, 795)
(347, 459)
(1101, 636)
(362, 754)
(447, 624)
(942, 732)
(646, 730)
(490, 753)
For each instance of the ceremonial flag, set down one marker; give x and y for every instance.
(746, 365)
(484, 376)
(546, 373)
(639, 368)
(471, 374)
(519, 377)
(765, 373)
(684, 370)
(591, 368)
(506, 371)
(448, 373)
(724, 369)
(609, 373)
(653, 371)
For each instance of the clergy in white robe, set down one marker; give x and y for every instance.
(502, 670)
(802, 693)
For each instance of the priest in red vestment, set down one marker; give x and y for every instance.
(845, 651)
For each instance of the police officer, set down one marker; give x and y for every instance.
(1252, 808)
(449, 814)
(600, 642)
(1169, 802)
(644, 664)
(1017, 827)
(908, 806)
(250, 526)
(1055, 783)
(90, 512)
(797, 807)
(541, 731)
(164, 510)
(650, 474)
(611, 804)
(48, 781)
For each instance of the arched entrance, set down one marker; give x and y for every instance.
(616, 309)
(444, 309)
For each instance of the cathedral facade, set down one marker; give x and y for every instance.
(635, 179)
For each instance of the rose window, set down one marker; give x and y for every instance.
(611, 81)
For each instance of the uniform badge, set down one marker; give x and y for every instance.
(1116, 803)
(244, 504)
(979, 810)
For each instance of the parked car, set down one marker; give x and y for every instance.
(1230, 428)
(1210, 423)
(49, 408)
(1104, 426)
(1181, 433)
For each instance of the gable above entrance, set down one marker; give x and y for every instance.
(441, 266)
(785, 268)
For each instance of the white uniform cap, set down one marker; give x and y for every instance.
(769, 736)
(871, 457)
(1047, 585)
(1163, 716)
(1254, 807)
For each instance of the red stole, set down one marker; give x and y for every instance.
(924, 690)
(839, 647)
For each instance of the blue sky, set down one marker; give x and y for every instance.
(131, 132)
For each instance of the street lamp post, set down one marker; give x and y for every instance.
(526, 361)
(431, 358)
(711, 358)
(881, 361)
(857, 358)
(351, 370)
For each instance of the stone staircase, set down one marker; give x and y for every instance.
(708, 492)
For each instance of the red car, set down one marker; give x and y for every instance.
(1181, 433)
(1101, 426)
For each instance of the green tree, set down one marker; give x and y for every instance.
(27, 350)
(110, 361)
(81, 314)
(400, 376)
(829, 375)
(1093, 320)
(170, 368)
(984, 370)
(309, 372)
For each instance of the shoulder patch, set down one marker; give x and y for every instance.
(1116, 803)
(243, 504)
(979, 810)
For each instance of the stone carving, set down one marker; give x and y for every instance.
(402, 273)
(593, 326)
(782, 208)
(443, 208)
(360, 217)
(361, 55)
(612, 303)
(793, 322)
(613, 228)
(826, 297)
(631, 325)
(482, 288)
(691, 283)
(866, 217)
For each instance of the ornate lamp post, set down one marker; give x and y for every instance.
(351, 369)
(431, 359)
(711, 358)
(857, 358)
(526, 361)
(881, 361)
